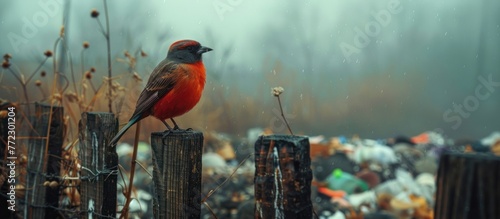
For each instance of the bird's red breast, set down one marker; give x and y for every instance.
(185, 94)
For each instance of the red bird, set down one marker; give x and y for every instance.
(174, 87)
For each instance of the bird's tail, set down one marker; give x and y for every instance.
(123, 130)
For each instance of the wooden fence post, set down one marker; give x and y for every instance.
(283, 177)
(44, 161)
(99, 164)
(4, 171)
(467, 187)
(177, 174)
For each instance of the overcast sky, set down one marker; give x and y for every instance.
(435, 50)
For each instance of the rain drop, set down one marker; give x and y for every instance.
(301, 96)
(446, 33)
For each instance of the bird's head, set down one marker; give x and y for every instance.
(186, 51)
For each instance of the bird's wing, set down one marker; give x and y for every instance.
(159, 84)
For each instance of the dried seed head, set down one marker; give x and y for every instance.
(61, 32)
(23, 160)
(143, 54)
(66, 121)
(72, 97)
(5, 64)
(48, 53)
(94, 13)
(276, 91)
(115, 85)
(92, 69)
(53, 184)
(137, 77)
(38, 83)
(46, 183)
(7, 56)
(88, 75)
(3, 114)
(57, 96)
(43, 73)
(86, 45)
(127, 54)
(19, 187)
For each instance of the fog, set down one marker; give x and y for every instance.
(373, 68)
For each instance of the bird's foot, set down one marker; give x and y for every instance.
(176, 129)
(166, 133)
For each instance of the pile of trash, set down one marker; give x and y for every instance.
(352, 177)
(392, 178)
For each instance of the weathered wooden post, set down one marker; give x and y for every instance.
(44, 158)
(283, 177)
(99, 164)
(177, 174)
(467, 187)
(4, 170)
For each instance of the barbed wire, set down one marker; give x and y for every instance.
(92, 177)
(107, 172)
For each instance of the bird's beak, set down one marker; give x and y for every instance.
(203, 50)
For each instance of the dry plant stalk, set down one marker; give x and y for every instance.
(276, 91)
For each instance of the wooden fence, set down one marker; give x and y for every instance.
(467, 184)
(283, 174)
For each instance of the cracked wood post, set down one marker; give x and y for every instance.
(283, 177)
(99, 164)
(44, 162)
(467, 186)
(177, 174)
